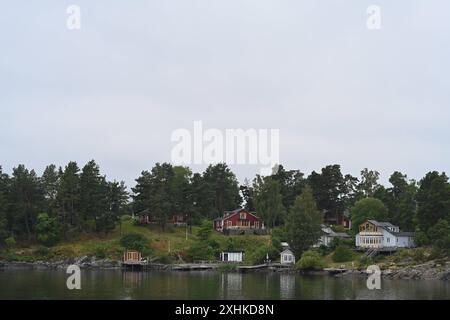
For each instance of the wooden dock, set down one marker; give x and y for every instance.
(194, 266)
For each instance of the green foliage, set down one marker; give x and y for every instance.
(421, 238)
(342, 254)
(100, 251)
(205, 230)
(303, 222)
(419, 255)
(310, 260)
(10, 242)
(332, 191)
(368, 208)
(259, 254)
(268, 200)
(439, 234)
(365, 261)
(433, 200)
(201, 250)
(349, 243)
(48, 230)
(400, 201)
(279, 235)
(164, 258)
(44, 251)
(134, 241)
(339, 228)
(126, 218)
(324, 250)
(222, 189)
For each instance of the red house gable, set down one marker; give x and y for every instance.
(238, 219)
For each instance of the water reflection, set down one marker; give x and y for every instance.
(287, 286)
(109, 284)
(231, 286)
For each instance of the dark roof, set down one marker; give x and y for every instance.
(234, 211)
(146, 211)
(230, 213)
(404, 234)
(382, 224)
(340, 234)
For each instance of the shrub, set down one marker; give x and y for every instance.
(134, 241)
(310, 260)
(421, 238)
(43, 251)
(342, 254)
(200, 250)
(324, 250)
(100, 251)
(205, 230)
(47, 229)
(164, 258)
(419, 255)
(126, 218)
(10, 242)
(400, 255)
(259, 254)
(365, 261)
(439, 234)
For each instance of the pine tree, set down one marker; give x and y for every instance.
(303, 223)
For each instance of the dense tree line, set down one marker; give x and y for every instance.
(82, 200)
(61, 202)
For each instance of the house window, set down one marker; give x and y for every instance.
(243, 215)
(388, 240)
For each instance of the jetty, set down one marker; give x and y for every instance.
(194, 266)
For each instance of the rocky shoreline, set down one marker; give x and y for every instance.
(431, 270)
(427, 271)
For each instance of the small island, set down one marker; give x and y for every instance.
(174, 220)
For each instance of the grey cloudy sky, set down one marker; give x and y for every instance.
(115, 90)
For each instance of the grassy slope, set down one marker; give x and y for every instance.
(87, 245)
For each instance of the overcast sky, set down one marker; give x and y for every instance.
(115, 90)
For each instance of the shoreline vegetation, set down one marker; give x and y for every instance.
(103, 253)
(76, 215)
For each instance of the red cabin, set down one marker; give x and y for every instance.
(239, 219)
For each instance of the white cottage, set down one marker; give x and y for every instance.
(232, 256)
(287, 257)
(328, 235)
(381, 235)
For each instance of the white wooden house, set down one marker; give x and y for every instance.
(287, 257)
(381, 235)
(328, 235)
(232, 256)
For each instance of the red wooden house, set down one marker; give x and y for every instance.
(238, 220)
(177, 219)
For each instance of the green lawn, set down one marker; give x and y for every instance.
(172, 242)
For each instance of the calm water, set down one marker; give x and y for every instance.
(115, 284)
